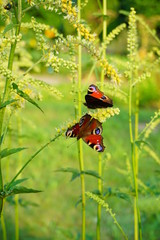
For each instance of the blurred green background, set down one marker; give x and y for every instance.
(53, 214)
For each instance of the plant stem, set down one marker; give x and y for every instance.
(137, 158)
(100, 187)
(3, 227)
(133, 159)
(80, 149)
(19, 127)
(7, 89)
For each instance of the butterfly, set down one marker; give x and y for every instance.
(89, 129)
(8, 6)
(96, 99)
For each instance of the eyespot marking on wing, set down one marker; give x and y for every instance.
(98, 148)
(92, 88)
(70, 133)
(97, 131)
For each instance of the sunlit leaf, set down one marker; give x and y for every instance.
(25, 96)
(7, 103)
(6, 152)
(9, 27)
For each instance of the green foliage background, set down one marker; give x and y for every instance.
(54, 213)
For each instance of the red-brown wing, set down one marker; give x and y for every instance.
(95, 142)
(78, 129)
(73, 131)
(96, 99)
(92, 126)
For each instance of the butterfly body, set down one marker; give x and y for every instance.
(96, 99)
(89, 129)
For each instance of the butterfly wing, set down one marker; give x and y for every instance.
(90, 126)
(77, 129)
(73, 131)
(95, 142)
(96, 99)
(91, 134)
(89, 129)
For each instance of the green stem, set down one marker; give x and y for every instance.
(3, 227)
(31, 158)
(133, 160)
(80, 150)
(100, 188)
(7, 89)
(19, 127)
(16, 217)
(137, 158)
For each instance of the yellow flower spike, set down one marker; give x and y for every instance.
(103, 114)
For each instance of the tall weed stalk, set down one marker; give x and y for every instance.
(132, 48)
(80, 149)
(100, 184)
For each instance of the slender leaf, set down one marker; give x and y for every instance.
(109, 192)
(21, 189)
(75, 172)
(1, 140)
(16, 182)
(78, 202)
(7, 103)
(9, 27)
(6, 152)
(21, 202)
(139, 143)
(25, 96)
(92, 173)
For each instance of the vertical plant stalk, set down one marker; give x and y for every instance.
(7, 86)
(132, 48)
(80, 150)
(137, 158)
(17, 196)
(100, 187)
(133, 159)
(3, 227)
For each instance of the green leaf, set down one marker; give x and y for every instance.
(6, 152)
(1, 140)
(78, 202)
(9, 27)
(16, 182)
(21, 202)
(25, 96)
(7, 103)
(96, 14)
(92, 173)
(21, 189)
(140, 142)
(109, 192)
(75, 172)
